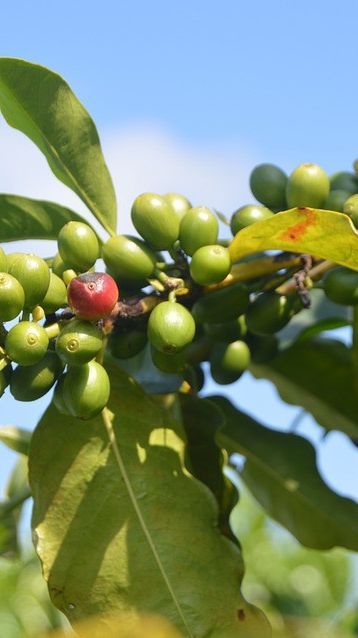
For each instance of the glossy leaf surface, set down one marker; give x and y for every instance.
(40, 103)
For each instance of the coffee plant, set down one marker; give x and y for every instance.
(131, 502)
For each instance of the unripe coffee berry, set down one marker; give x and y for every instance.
(92, 295)
(86, 390)
(268, 185)
(199, 227)
(78, 246)
(78, 342)
(56, 295)
(248, 215)
(155, 221)
(210, 264)
(32, 382)
(170, 327)
(12, 297)
(179, 204)
(308, 185)
(124, 345)
(26, 343)
(33, 274)
(128, 258)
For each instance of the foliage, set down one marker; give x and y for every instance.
(131, 504)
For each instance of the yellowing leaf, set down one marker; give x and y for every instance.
(322, 233)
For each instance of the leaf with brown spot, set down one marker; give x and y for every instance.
(323, 233)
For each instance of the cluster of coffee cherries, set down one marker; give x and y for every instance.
(41, 349)
(60, 319)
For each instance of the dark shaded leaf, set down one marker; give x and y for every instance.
(281, 472)
(317, 375)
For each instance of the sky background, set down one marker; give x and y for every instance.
(188, 97)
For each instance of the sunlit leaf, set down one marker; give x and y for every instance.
(127, 528)
(40, 103)
(322, 233)
(281, 472)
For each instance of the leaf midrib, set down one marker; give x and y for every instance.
(113, 441)
(87, 200)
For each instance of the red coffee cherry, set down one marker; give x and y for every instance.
(92, 295)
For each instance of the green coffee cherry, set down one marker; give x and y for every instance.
(124, 345)
(336, 200)
(351, 208)
(58, 398)
(155, 220)
(170, 327)
(228, 362)
(86, 390)
(268, 185)
(33, 274)
(129, 259)
(169, 363)
(210, 264)
(247, 215)
(221, 305)
(199, 227)
(12, 297)
(341, 286)
(56, 295)
(3, 261)
(226, 332)
(26, 343)
(263, 349)
(344, 180)
(179, 204)
(32, 382)
(78, 246)
(79, 342)
(269, 313)
(58, 266)
(308, 185)
(5, 376)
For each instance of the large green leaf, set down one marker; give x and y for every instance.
(318, 375)
(40, 103)
(125, 527)
(322, 233)
(281, 472)
(25, 218)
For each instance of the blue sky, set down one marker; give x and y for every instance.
(189, 96)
